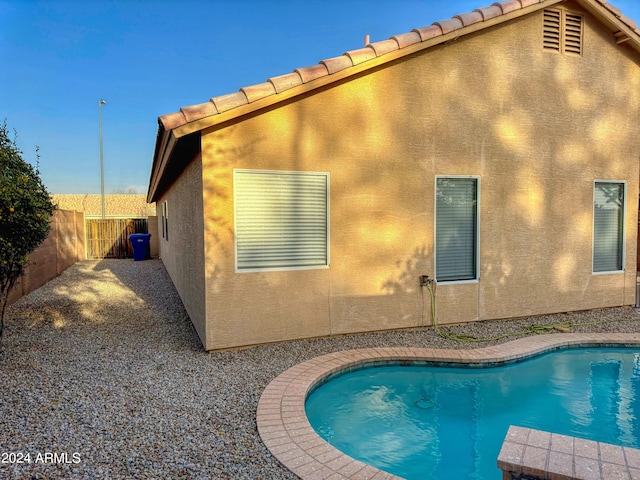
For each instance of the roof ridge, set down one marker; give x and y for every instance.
(278, 84)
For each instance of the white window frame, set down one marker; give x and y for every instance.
(324, 265)
(435, 229)
(623, 227)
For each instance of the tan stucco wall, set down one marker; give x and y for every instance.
(183, 253)
(154, 241)
(537, 128)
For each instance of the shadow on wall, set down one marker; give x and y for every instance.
(407, 281)
(536, 167)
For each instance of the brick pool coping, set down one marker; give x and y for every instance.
(286, 432)
(534, 454)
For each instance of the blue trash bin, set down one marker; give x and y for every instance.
(140, 244)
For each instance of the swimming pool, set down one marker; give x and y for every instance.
(286, 432)
(421, 421)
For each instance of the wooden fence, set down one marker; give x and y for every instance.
(109, 238)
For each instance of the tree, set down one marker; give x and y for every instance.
(25, 212)
(127, 191)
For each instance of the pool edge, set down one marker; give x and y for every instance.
(286, 432)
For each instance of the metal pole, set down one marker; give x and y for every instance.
(100, 103)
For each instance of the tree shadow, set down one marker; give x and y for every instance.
(410, 270)
(104, 299)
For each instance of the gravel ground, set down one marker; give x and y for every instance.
(103, 376)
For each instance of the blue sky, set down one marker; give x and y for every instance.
(150, 57)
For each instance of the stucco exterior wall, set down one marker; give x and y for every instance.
(182, 250)
(154, 241)
(537, 128)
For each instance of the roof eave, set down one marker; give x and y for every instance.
(612, 18)
(229, 108)
(174, 126)
(165, 144)
(267, 101)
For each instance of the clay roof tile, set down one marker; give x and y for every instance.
(615, 10)
(285, 82)
(256, 92)
(336, 64)
(509, 5)
(201, 110)
(449, 25)
(629, 22)
(172, 120)
(299, 76)
(428, 32)
(489, 12)
(384, 47)
(470, 18)
(230, 101)
(361, 55)
(406, 39)
(311, 73)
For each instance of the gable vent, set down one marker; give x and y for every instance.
(562, 32)
(573, 34)
(552, 22)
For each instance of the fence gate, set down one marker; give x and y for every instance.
(109, 238)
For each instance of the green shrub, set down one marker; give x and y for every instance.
(25, 213)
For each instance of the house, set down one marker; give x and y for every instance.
(496, 151)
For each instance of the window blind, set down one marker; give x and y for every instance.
(281, 219)
(608, 227)
(456, 228)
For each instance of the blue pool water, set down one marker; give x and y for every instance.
(430, 422)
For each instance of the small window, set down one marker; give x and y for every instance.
(281, 220)
(562, 32)
(457, 228)
(608, 227)
(165, 220)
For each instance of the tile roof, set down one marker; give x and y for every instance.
(177, 141)
(350, 59)
(116, 205)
